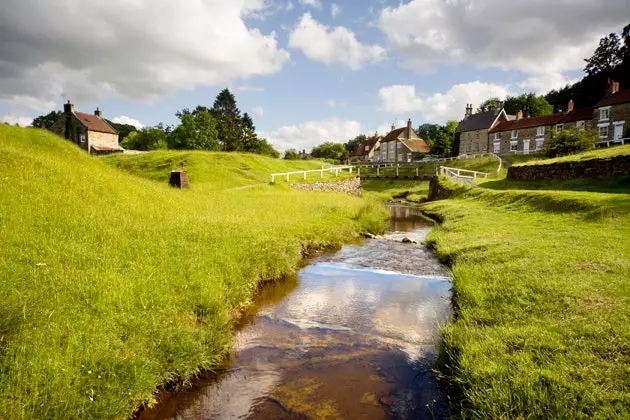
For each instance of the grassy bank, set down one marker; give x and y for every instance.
(487, 164)
(112, 284)
(541, 293)
(388, 190)
(602, 153)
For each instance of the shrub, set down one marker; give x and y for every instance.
(570, 141)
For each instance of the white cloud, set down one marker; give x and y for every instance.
(89, 49)
(20, 120)
(123, 119)
(289, 7)
(534, 36)
(335, 10)
(439, 107)
(335, 104)
(311, 3)
(258, 111)
(312, 133)
(541, 84)
(321, 43)
(250, 89)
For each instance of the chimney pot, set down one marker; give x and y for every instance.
(519, 115)
(612, 87)
(570, 106)
(98, 113)
(409, 124)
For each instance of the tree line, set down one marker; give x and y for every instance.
(219, 128)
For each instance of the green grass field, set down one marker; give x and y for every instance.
(483, 164)
(591, 154)
(112, 284)
(387, 190)
(541, 293)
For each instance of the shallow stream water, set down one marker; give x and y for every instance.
(353, 337)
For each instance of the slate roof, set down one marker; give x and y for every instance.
(620, 97)
(479, 121)
(94, 123)
(581, 114)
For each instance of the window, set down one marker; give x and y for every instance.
(603, 132)
(539, 144)
(477, 134)
(497, 147)
(618, 130)
(540, 131)
(559, 127)
(476, 147)
(367, 148)
(468, 148)
(82, 138)
(408, 157)
(399, 146)
(513, 146)
(581, 125)
(497, 136)
(604, 114)
(400, 157)
(514, 134)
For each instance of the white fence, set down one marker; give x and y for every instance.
(333, 169)
(462, 176)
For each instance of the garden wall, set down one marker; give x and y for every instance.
(348, 186)
(593, 168)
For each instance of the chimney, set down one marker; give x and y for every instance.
(612, 88)
(570, 106)
(393, 126)
(68, 110)
(409, 129)
(519, 115)
(98, 113)
(469, 109)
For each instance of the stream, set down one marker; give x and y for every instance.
(353, 336)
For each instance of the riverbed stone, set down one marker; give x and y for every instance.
(408, 240)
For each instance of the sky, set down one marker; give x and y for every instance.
(308, 71)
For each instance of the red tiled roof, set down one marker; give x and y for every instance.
(394, 134)
(360, 149)
(581, 114)
(418, 145)
(94, 123)
(621, 97)
(544, 120)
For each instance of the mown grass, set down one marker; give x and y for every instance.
(388, 190)
(112, 284)
(541, 293)
(617, 184)
(591, 154)
(483, 164)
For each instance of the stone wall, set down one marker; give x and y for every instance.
(471, 142)
(348, 186)
(103, 139)
(438, 191)
(594, 168)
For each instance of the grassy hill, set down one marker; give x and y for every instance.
(481, 164)
(112, 284)
(602, 153)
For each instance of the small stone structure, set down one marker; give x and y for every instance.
(179, 179)
(593, 168)
(349, 186)
(438, 191)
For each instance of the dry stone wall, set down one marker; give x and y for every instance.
(348, 186)
(594, 168)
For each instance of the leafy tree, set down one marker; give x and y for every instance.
(351, 145)
(197, 131)
(606, 57)
(148, 138)
(532, 105)
(291, 154)
(443, 144)
(46, 121)
(625, 49)
(569, 141)
(330, 150)
(492, 103)
(123, 129)
(229, 124)
(429, 133)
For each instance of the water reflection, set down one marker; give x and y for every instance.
(352, 340)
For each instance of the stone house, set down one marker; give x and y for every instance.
(90, 132)
(366, 150)
(472, 131)
(402, 145)
(612, 116)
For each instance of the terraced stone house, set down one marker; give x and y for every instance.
(612, 116)
(90, 132)
(402, 145)
(472, 131)
(365, 151)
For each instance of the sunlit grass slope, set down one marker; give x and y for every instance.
(542, 299)
(591, 154)
(214, 170)
(487, 164)
(111, 284)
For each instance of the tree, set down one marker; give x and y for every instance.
(197, 131)
(570, 141)
(606, 57)
(330, 150)
(148, 138)
(532, 105)
(351, 145)
(429, 133)
(46, 121)
(489, 104)
(229, 124)
(123, 129)
(443, 143)
(291, 154)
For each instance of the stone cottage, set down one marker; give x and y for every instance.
(402, 145)
(472, 131)
(523, 135)
(90, 132)
(612, 116)
(366, 150)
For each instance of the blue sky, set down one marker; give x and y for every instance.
(307, 70)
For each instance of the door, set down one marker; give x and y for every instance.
(497, 148)
(618, 134)
(526, 147)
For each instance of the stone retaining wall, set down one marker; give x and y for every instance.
(594, 168)
(438, 191)
(349, 186)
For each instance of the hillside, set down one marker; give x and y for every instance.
(112, 284)
(602, 153)
(487, 164)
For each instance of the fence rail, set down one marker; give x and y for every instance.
(462, 176)
(336, 169)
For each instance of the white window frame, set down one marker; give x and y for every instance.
(615, 125)
(540, 131)
(599, 130)
(514, 134)
(409, 156)
(601, 112)
(581, 125)
(401, 157)
(559, 127)
(367, 148)
(514, 146)
(528, 143)
(82, 138)
(497, 147)
(539, 144)
(497, 136)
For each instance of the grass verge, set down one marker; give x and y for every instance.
(112, 284)
(541, 295)
(602, 153)
(388, 190)
(487, 164)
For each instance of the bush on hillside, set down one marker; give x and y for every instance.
(568, 142)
